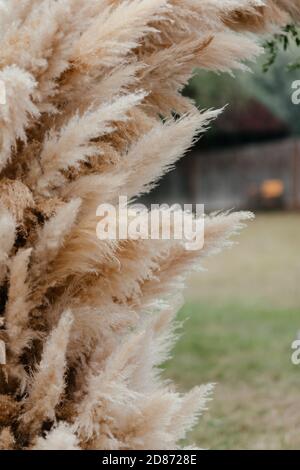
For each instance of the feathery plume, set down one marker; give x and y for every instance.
(19, 108)
(18, 304)
(49, 381)
(60, 438)
(94, 110)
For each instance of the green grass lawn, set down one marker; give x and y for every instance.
(241, 318)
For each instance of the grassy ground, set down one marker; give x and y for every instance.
(243, 315)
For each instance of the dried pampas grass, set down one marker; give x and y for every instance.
(86, 322)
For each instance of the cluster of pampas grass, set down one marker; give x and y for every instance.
(92, 88)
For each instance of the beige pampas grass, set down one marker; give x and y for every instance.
(48, 383)
(92, 88)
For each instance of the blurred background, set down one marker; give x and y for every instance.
(243, 314)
